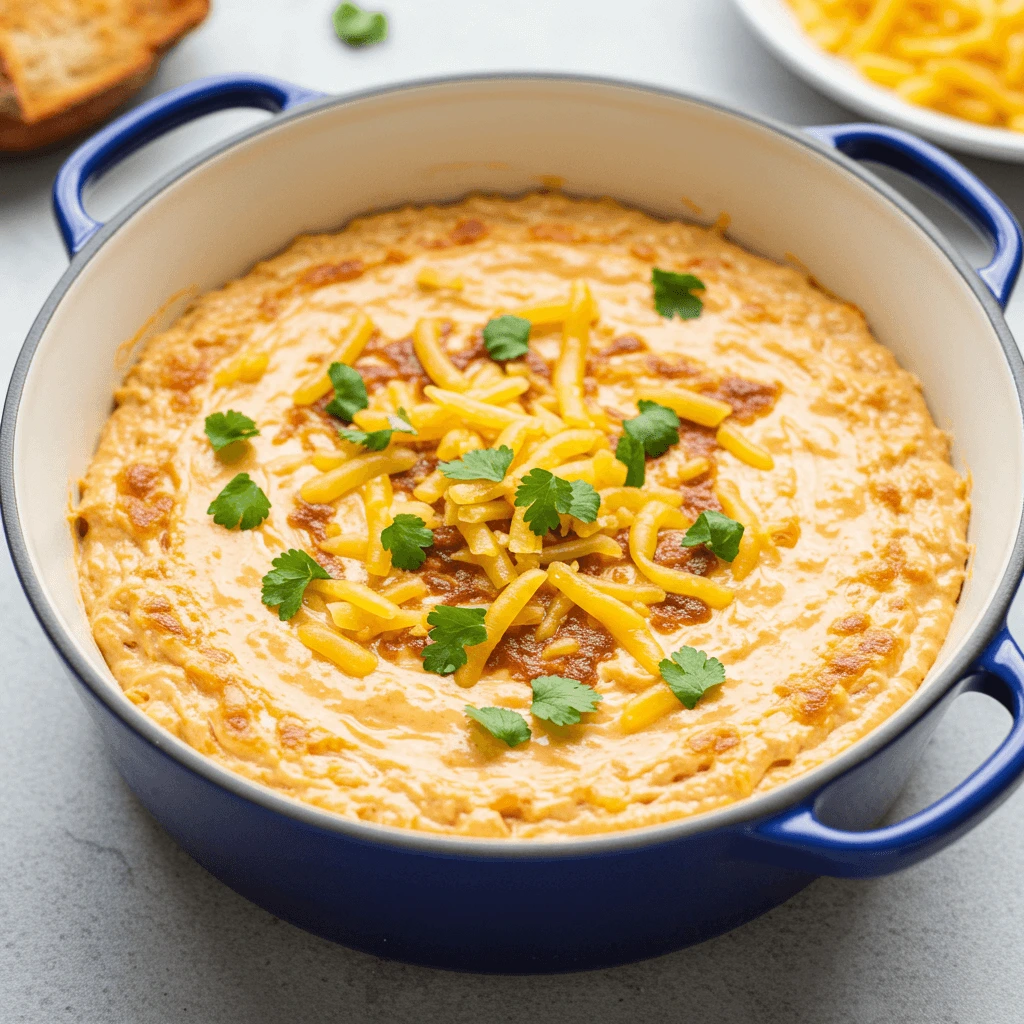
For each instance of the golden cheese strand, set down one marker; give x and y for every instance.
(345, 653)
(332, 485)
(627, 626)
(567, 378)
(507, 605)
(643, 540)
(426, 342)
(351, 344)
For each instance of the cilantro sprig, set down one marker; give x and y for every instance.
(224, 428)
(545, 496)
(718, 532)
(561, 701)
(241, 503)
(357, 27)
(349, 392)
(656, 428)
(508, 726)
(454, 630)
(556, 699)
(507, 337)
(690, 674)
(378, 440)
(479, 464)
(373, 441)
(673, 294)
(583, 502)
(651, 433)
(631, 454)
(407, 538)
(285, 584)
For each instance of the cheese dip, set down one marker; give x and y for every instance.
(520, 518)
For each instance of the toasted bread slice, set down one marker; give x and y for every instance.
(66, 64)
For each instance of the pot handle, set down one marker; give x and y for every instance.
(798, 839)
(939, 172)
(148, 121)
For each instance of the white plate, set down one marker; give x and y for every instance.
(776, 24)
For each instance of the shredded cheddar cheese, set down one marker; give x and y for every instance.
(964, 58)
(353, 340)
(572, 360)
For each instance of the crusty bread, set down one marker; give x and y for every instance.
(66, 64)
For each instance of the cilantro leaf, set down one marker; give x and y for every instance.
(652, 433)
(502, 724)
(406, 538)
(374, 441)
(630, 453)
(690, 674)
(378, 440)
(454, 630)
(506, 337)
(584, 503)
(540, 493)
(479, 464)
(545, 495)
(224, 428)
(562, 701)
(720, 533)
(673, 294)
(240, 504)
(285, 584)
(349, 392)
(656, 428)
(357, 27)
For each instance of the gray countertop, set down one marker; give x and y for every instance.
(103, 918)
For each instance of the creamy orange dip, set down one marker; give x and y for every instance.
(828, 619)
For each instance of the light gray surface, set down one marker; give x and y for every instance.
(103, 918)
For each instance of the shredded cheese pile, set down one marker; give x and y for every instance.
(959, 57)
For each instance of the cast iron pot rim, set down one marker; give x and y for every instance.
(736, 814)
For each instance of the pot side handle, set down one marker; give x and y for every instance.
(940, 173)
(798, 839)
(148, 121)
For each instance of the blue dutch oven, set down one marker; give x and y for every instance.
(525, 906)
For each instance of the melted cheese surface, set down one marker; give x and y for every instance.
(862, 519)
